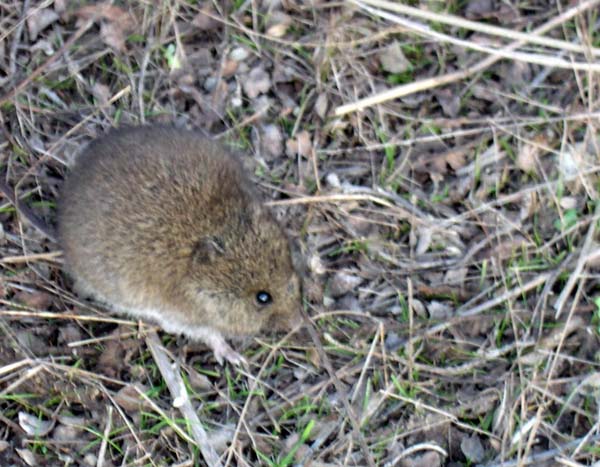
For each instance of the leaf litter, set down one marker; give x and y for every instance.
(438, 232)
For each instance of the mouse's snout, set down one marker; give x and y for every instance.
(286, 323)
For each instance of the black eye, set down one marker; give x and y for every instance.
(263, 298)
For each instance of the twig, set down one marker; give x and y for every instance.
(416, 448)
(102, 451)
(484, 28)
(429, 83)
(536, 58)
(181, 399)
(51, 255)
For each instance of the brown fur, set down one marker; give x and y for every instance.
(164, 219)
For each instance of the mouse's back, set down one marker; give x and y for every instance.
(136, 196)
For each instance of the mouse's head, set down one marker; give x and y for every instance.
(243, 275)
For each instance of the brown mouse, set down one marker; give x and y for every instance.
(164, 225)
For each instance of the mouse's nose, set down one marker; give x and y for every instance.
(293, 321)
(296, 320)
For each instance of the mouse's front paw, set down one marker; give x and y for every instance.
(225, 352)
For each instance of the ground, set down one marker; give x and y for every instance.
(449, 232)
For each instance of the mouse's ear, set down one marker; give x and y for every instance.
(207, 249)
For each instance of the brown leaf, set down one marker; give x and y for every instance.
(278, 24)
(291, 147)
(529, 154)
(257, 82)
(106, 11)
(129, 397)
(34, 425)
(38, 20)
(229, 68)
(34, 343)
(111, 362)
(272, 141)
(116, 22)
(203, 20)
(342, 283)
(477, 9)
(472, 448)
(113, 36)
(304, 144)
(101, 92)
(313, 357)
(450, 101)
(456, 158)
(37, 300)
(321, 105)
(393, 60)
(28, 457)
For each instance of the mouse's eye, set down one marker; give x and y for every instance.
(263, 298)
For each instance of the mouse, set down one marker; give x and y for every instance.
(164, 225)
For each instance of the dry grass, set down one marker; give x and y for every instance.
(440, 176)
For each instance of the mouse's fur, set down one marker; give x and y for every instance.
(163, 224)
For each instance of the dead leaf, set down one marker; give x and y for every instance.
(129, 397)
(568, 202)
(37, 300)
(60, 6)
(455, 276)
(304, 144)
(257, 82)
(321, 105)
(449, 100)
(516, 74)
(203, 19)
(291, 147)
(278, 24)
(113, 36)
(478, 9)
(115, 25)
(108, 12)
(34, 425)
(69, 433)
(342, 283)
(35, 344)
(28, 457)
(272, 141)
(313, 357)
(239, 54)
(457, 158)
(392, 59)
(199, 382)
(101, 92)
(69, 333)
(38, 20)
(472, 448)
(110, 361)
(438, 310)
(424, 238)
(229, 68)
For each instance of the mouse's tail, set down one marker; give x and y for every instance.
(27, 213)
